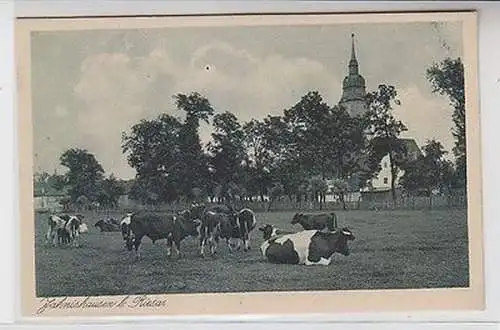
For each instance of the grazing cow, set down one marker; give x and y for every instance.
(56, 224)
(174, 228)
(320, 221)
(226, 225)
(307, 247)
(63, 229)
(72, 228)
(269, 231)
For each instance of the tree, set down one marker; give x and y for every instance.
(194, 172)
(447, 78)
(385, 130)
(258, 179)
(307, 121)
(228, 152)
(111, 190)
(84, 173)
(340, 187)
(429, 172)
(152, 149)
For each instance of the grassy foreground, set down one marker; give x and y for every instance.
(392, 250)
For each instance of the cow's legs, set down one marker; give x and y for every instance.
(202, 245)
(177, 247)
(169, 247)
(137, 243)
(229, 245)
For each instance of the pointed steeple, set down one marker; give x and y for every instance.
(353, 63)
(353, 86)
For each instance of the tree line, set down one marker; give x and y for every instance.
(292, 154)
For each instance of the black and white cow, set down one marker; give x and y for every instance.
(322, 221)
(307, 247)
(173, 228)
(65, 229)
(226, 225)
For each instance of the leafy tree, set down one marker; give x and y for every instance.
(430, 172)
(257, 170)
(57, 181)
(319, 188)
(447, 78)
(111, 190)
(340, 187)
(153, 150)
(84, 173)
(227, 149)
(306, 119)
(384, 130)
(194, 172)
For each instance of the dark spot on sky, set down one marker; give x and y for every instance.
(207, 67)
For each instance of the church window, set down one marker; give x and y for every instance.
(386, 180)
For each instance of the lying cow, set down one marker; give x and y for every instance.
(307, 247)
(230, 225)
(174, 228)
(320, 221)
(107, 225)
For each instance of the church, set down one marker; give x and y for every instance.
(353, 100)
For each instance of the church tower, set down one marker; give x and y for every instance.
(353, 87)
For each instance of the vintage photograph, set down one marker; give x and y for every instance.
(179, 156)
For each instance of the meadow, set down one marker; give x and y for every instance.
(392, 250)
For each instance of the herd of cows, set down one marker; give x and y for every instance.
(314, 245)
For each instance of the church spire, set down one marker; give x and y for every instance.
(353, 63)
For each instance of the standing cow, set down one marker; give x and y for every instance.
(174, 228)
(64, 229)
(322, 221)
(307, 247)
(226, 225)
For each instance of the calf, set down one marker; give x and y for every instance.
(307, 247)
(174, 228)
(320, 221)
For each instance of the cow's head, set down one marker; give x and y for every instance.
(268, 231)
(296, 218)
(344, 235)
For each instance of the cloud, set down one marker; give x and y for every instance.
(425, 117)
(118, 90)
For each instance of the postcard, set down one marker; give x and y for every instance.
(249, 164)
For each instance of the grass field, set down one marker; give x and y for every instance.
(392, 250)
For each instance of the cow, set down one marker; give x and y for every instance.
(72, 228)
(307, 247)
(56, 224)
(172, 227)
(63, 229)
(322, 221)
(107, 225)
(226, 225)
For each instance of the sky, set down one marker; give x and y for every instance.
(90, 86)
